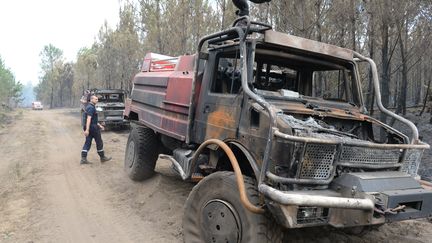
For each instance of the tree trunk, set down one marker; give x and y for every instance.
(371, 91)
(404, 83)
(159, 31)
(223, 10)
(353, 24)
(51, 96)
(319, 90)
(88, 80)
(385, 77)
(425, 98)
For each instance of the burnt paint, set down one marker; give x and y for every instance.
(162, 99)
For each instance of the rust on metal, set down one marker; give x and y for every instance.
(308, 45)
(162, 93)
(221, 123)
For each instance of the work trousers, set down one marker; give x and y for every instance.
(94, 133)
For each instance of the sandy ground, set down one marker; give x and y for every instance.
(46, 196)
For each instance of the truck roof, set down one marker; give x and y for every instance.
(307, 45)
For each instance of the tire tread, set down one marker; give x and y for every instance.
(147, 145)
(266, 229)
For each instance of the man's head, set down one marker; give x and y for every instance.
(94, 99)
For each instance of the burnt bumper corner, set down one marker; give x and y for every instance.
(354, 199)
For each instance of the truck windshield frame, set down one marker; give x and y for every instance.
(302, 73)
(110, 97)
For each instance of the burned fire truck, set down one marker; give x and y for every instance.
(110, 107)
(245, 117)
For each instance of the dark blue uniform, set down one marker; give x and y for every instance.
(94, 132)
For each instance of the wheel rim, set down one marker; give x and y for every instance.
(130, 157)
(220, 222)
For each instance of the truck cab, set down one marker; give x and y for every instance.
(111, 106)
(285, 116)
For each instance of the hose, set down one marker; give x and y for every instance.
(237, 172)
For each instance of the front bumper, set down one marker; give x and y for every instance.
(112, 117)
(115, 121)
(353, 200)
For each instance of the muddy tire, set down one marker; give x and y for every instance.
(214, 213)
(141, 153)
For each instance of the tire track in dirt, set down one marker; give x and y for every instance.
(54, 199)
(79, 206)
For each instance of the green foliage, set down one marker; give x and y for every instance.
(113, 59)
(56, 75)
(10, 90)
(50, 55)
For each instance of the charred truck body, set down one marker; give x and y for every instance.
(247, 119)
(111, 106)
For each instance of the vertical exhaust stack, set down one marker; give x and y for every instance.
(243, 6)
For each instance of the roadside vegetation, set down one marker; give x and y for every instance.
(10, 93)
(10, 89)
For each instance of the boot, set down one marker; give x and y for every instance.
(84, 161)
(102, 156)
(105, 159)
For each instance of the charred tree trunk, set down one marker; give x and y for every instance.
(52, 97)
(320, 86)
(88, 80)
(425, 98)
(61, 93)
(371, 91)
(404, 83)
(159, 31)
(353, 24)
(385, 76)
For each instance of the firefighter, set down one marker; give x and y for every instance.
(92, 130)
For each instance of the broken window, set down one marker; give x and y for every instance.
(273, 77)
(110, 97)
(333, 84)
(290, 75)
(227, 79)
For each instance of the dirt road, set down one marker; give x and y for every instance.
(46, 196)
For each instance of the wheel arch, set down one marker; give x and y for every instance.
(132, 116)
(247, 162)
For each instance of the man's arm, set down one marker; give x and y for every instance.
(87, 131)
(90, 112)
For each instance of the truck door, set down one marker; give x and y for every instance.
(219, 107)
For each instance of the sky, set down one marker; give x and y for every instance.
(26, 26)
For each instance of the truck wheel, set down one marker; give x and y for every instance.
(141, 153)
(214, 213)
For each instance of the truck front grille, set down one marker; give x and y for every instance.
(359, 155)
(318, 161)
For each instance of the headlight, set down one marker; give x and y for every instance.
(99, 109)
